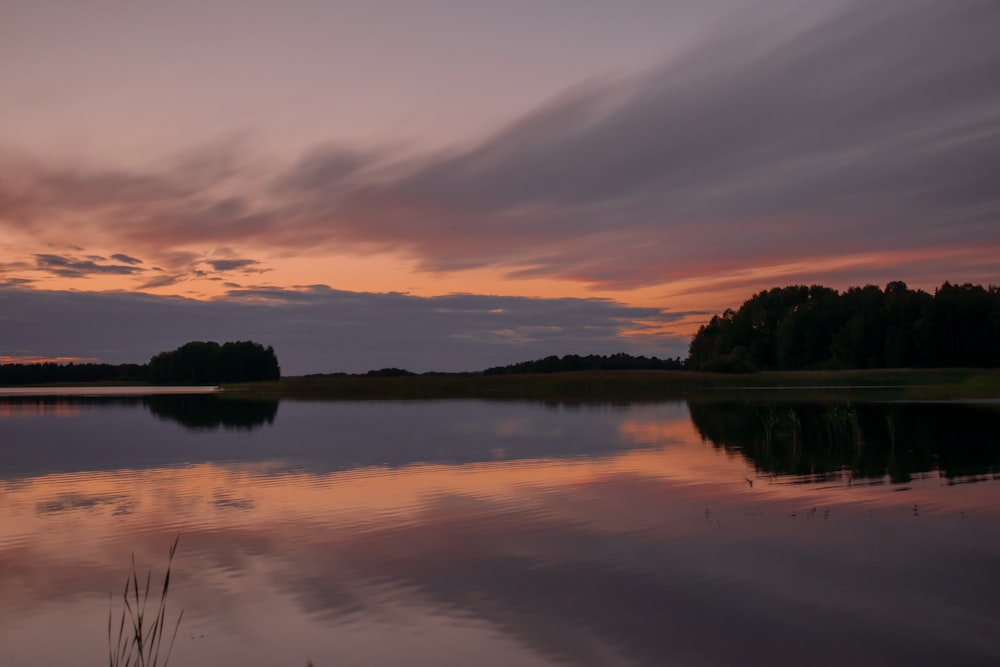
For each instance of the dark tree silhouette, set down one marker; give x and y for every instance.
(799, 327)
(592, 362)
(44, 373)
(200, 363)
(389, 373)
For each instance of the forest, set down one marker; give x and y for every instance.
(816, 327)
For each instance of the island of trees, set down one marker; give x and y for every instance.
(800, 327)
(200, 363)
(195, 363)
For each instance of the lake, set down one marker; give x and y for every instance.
(504, 533)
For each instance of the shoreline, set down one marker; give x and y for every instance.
(585, 386)
(641, 385)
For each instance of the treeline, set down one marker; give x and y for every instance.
(195, 363)
(49, 372)
(591, 362)
(800, 327)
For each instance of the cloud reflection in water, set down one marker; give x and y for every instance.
(656, 555)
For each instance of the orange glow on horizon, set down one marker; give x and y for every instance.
(38, 409)
(709, 288)
(34, 359)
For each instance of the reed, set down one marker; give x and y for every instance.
(140, 638)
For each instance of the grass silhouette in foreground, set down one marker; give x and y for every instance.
(139, 644)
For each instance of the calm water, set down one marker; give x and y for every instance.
(503, 533)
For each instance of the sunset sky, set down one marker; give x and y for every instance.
(448, 185)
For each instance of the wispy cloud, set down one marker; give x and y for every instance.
(125, 259)
(162, 280)
(71, 267)
(15, 282)
(833, 132)
(873, 128)
(223, 265)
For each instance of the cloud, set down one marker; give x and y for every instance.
(15, 282)
(70, 267)
(318, 329)
(223, 265)
(8, 271)
(125, 259)
(834, 130)
(325, 168)
(161, 281)
(867, 129)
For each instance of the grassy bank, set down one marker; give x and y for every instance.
(615, 386)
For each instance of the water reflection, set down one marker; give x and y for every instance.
(858, 441)
(195, 411)
(206, 411)
(314, 436)
(457, 533)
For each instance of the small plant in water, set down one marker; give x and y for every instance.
(140, 637)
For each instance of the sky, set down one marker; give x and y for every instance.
(450, 185)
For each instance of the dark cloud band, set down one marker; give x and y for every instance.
(318, 329)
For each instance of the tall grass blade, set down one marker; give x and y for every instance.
(143, 643)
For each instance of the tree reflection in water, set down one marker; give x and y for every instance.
(210, 412)
(858, 440)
